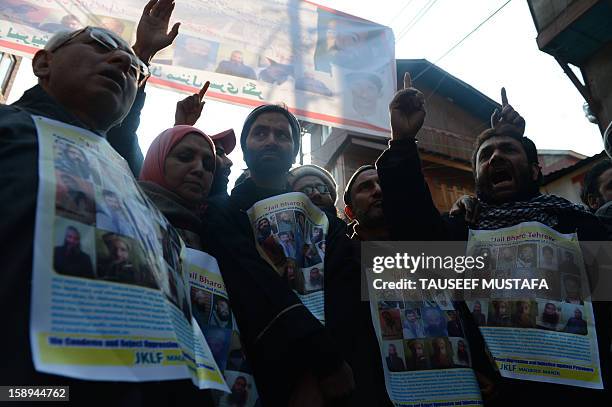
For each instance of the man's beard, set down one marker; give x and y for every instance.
(265, 167)
(368, 219)
(71, 250)
(265, 231)
(552, 319)
(238, 398)
(315, 280)
(527, 188)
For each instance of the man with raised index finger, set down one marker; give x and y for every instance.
(507, 175)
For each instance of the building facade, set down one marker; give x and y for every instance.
(456, 114)
(9, 65)
(579, 32)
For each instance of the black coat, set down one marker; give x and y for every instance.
(18, 194)
(411, 215)
(282, 339)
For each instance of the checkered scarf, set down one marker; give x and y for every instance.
(545, 209)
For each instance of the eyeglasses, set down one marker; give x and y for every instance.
(321, 188)
(141, 70)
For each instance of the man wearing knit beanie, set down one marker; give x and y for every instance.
(317, 183)
(295, 359)
(363, 200)
(270, 141)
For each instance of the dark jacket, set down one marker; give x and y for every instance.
(123, 137)
(75, 263)
(185, 221)
(282, 339)
(18, 194)
(411, 215)
(366, 358)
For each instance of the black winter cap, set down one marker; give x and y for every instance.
(349, 185)
(293, 123)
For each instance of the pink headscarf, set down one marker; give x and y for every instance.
(153, 166)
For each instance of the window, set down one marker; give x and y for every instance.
(7, 65)
(325, 133)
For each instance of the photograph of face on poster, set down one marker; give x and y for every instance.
(195, 53)
(219, 341)
(243, 392)
(394, 356)
(234, 61)
(74, 250)
(221, 314)
(112, 214)
(313, 279)
(73, 160)
(120, 259)
(576, 322)
(461, 352)
(548, 257)
(201, 305)
(549, 315)
(75, 198)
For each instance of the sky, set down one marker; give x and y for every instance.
(503, 52)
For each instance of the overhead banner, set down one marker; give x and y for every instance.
(326, 66)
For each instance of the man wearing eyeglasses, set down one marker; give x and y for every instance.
(87, 78)
(317, 183)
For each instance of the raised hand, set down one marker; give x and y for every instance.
(407, 110)
(188, 110)
(152, 33)
(508, 119)
(467, 207)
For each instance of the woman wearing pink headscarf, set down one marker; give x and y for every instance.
(177, 175)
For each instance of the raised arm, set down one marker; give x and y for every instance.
(410, 213)
(151, 36)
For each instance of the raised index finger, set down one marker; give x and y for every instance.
(504, 97)
(407, 81)
(203, 90)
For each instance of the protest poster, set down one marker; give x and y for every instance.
(425, 352)
(290, 234)
(545, 335)
(328, 67)
(211, 307)
(110, 296)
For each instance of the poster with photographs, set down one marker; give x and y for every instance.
(528, 329)
(423, 344)
(110, 295)
(212, 311)
(290, 233)
(329, 67)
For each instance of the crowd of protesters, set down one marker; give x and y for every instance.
(92, 79)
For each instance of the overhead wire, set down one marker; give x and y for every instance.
(451, 49)
(416, 20)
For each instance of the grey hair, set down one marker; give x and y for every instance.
(58, 38)
(62, 36)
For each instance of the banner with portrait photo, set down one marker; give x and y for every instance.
(211, 308)
(110, 296)
(328, 67)
(545, 335)
(425, 352)
(290, 234)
